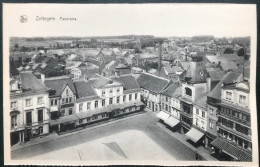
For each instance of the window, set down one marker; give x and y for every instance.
(118, 90)
(210, 124)
(70, 111)
(103, 102)
(13, 104)
(197, 111)
(40, 115)
(88, 105)
(211, 111)
(111, 91)
(242, 99)
(70, 100)
(63, 101)
(166, 107)
(166, 99)
(41, 129)
(197, 121)
(156, 107)
(228, 95)
(56, 102)
(188, 91)
(96, 104)
(62, 112)
(103, 92)
(13, 121)
(40, 100)
(67, 91)
(67, 100)
(135, 96)
(95, 117)
(163, 106)
(118, 99)
(52, 102)
(28, 118)
(130, 97)
(110, 100)
(103, 115)
(88, 119)
(203, 114)
(124, 98)
(80, 106)
(28, 102)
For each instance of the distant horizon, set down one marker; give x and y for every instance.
(107, 36)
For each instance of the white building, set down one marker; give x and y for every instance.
(29, 108)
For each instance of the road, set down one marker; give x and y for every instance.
(145, 122)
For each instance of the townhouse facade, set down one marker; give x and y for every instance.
(62, 98)
(150, 91)
(234, 125)
(193, 87)
(29, 107)
(170, 104)
(107, 97)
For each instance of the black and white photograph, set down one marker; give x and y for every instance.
(130, 84)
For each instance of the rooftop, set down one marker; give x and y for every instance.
(147, 81)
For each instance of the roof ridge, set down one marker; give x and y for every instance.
(156, 76)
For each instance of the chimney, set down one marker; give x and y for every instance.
(42, 78)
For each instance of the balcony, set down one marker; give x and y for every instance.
(235, 119)
(234, 131)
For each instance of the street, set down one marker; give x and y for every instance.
(145, 122)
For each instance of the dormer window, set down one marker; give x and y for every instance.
(228, 95)
(242, 99)
(188, 91)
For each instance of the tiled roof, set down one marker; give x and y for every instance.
(152, 82)
(84, 88)
(171, 89)
(228, 78)
(228, 65)
(57, 84)
(195, 73)
(185, 65)
(30, 82)
(202, 101)
(173, 69)
(128, 81)
(216, 75)
(231, 149)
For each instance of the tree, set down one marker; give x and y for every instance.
(241, 52)
(228, 51)
(16, 46)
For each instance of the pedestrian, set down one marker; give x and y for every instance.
(197, 155)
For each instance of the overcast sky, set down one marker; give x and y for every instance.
(149, 19)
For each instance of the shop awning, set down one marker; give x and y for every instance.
(171, 121)
(194, 135)
(64, 120)
(54, 108)
(163, 115)
(232, 150)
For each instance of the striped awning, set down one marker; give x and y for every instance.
(163, 115)
(232, 150)
(194, 134)
(171, 121)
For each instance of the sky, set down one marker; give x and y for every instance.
(162, 20)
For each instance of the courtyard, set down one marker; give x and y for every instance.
(134, 138)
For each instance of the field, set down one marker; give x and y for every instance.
(127, 145)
